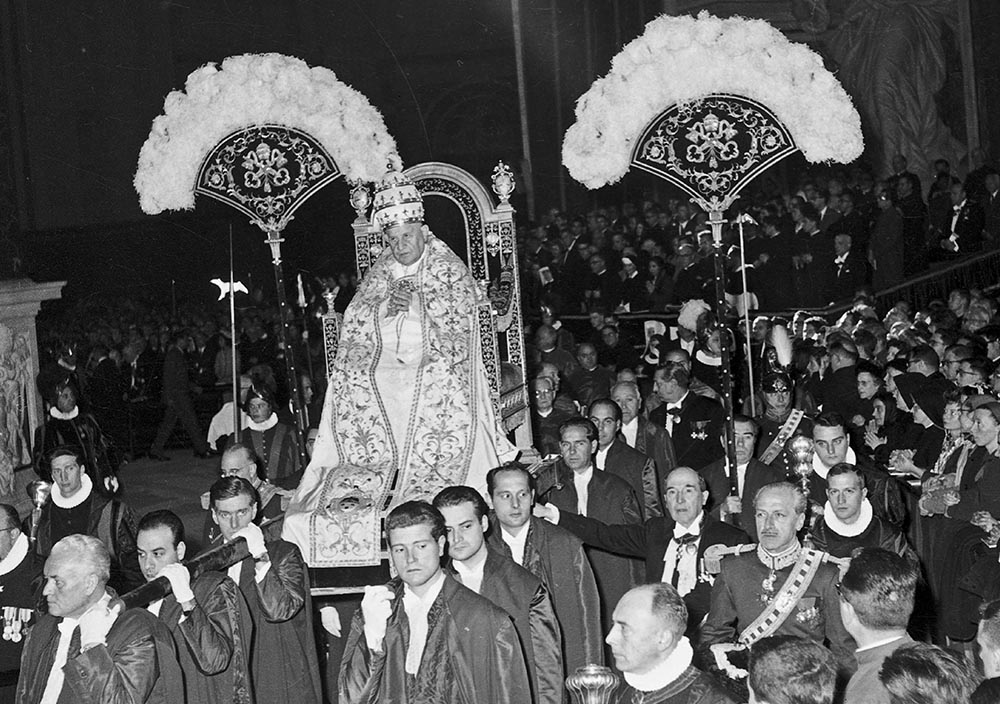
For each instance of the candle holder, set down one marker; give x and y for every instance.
(38, 491)
(592, 684)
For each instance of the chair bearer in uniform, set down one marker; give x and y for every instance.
(407, 407)
(777, 587)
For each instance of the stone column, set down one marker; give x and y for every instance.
(20, 404)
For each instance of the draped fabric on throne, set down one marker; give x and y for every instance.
(408, 395)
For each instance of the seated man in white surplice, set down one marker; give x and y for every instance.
(407, 406)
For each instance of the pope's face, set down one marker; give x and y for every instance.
(416, 554)
(406, 240)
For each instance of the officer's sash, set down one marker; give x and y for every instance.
(786, 431)
(775, 613)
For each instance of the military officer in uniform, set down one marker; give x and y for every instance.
(777, 587)
(779, 421)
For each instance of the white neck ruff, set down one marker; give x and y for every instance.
(18, 551)
(665, 672)
(86, 487)
(849, 530)
(272, 420)
(59, 415)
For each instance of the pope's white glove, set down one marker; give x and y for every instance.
(376, 607)
(254, 538)
(331, 620)
(95, 624)
(180, 582)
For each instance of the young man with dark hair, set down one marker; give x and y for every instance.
(583, 489)
(514, 589)
(876, 601)
(426, 637)
(207, 617)
(275, 583)
(553, 555)
(791, 670)
(920, 672)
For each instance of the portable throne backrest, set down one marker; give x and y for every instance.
(491, 254)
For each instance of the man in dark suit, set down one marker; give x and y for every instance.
(663, 542)
(615, 456)
(601, 495)
(545, 417)
(991, 209)
(639, 433)
(849, 271)
(838, 390)
(694, 422)
(590, 380)
(964, 229)
(751, 475)
(491, 574)
(177, 398)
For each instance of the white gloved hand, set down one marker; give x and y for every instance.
(95, 624)
(331, 620)
(180, 581)
(376, 607)
(254, 538)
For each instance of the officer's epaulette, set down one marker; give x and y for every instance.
(715, 553)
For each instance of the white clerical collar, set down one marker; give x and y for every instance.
(665, 672)
(17, 553)
(822, 470)
(708, 360)
(272, 420)
(59, 415)
(848, 530)
(86, 486)
(545, 414)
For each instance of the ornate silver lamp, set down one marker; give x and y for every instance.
(38, 491)
(592, 684)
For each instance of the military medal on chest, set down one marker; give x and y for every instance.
(15, 623)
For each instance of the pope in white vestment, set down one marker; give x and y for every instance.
(407, 409)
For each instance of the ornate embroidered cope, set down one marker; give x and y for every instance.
(407, 409)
